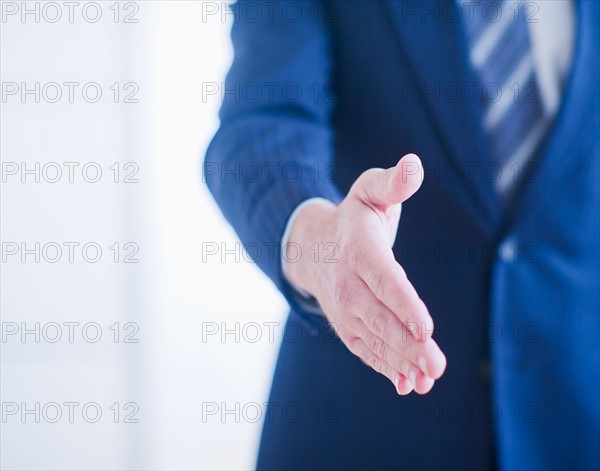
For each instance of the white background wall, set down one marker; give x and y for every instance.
(172, 294)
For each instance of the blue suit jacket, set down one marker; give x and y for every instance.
(318, 93)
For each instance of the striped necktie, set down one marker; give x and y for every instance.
(497, 36)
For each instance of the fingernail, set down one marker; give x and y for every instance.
(422, 363)
(396, 381)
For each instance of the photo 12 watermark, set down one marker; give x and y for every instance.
(70, 412)
(69, 172)
(69, 12)
(70, 92)
(70, 332)
(69, 252)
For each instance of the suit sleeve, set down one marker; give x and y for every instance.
(273, 149)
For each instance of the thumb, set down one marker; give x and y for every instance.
(381, 188)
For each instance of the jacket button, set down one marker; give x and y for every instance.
(508, 251)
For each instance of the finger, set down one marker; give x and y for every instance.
(424, 384)
(388, 282)
(380, 188)
(398, 362)
(383, 332)
(410, 357)
(362, 351)
(404, 386)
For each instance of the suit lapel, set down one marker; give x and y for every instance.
(437, 52)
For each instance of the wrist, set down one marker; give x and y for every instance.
(307, 229)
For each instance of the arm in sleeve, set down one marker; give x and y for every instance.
(273, 149)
